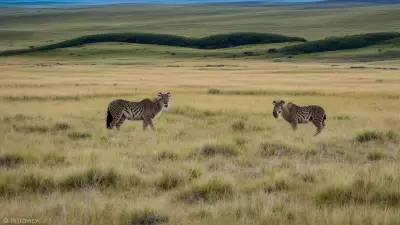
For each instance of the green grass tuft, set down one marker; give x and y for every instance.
(194, 173)
(11, 160)
(214, 91)
(375, 155)
(392, 135)
(359, 192)
(211, 191)
(61, 126)
(79, 135)
(143, 217)
(170, 181)
(238, 126)
(41, 129)
(37, 184)
(275, 149)
(167, 156)
(369, 136)
(341, 118)
(91, 178)
(211, 150)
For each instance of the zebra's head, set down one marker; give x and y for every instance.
(164, 99)
(277, 107)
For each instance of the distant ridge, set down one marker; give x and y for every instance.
(61, 3)
(368, 1)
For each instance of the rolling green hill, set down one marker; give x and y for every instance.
(370, 46)
(37, 27)
(210, 42)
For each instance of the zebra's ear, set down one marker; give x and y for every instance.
(273, 102)
(159, 94)
(283, 102)
(169, 94)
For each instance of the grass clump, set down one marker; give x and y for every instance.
(170, 181)
(369, 136)
(53, 159)
(194, 173)
(275, 149)
(37, 184)
(11, 160)
(195, 113)
(359, 192)
(143, 217)
(375, 155)
(8, 187)
(238, 126)
(211, 191)
(92, 178)
(167, 156)
(214, 91)
(79, 135)
(61, 126)
(341, 118)
(41, 129)
(17, 117)
(211, 150)
(268, 186)
(392, 135)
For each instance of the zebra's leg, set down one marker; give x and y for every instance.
(120, 121)
(319, 125)
(145, 125)
(115, 118)
(150, 122)
(294, 123)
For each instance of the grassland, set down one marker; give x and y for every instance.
(219, 157)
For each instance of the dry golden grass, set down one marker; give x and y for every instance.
(217, 158)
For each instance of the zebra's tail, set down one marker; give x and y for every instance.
(109, 119)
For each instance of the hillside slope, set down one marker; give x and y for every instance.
(24, 28)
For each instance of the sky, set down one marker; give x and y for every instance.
(104, 2)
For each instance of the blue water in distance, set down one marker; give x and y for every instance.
(45, 3)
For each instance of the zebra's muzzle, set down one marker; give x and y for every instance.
(275, 114)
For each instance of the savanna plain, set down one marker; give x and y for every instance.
(218, 155)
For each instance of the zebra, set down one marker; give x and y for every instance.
(146, 110)
(295, 114)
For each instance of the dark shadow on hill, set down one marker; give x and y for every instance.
(340, 43)
(209, 42)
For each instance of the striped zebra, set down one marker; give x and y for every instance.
(295, 114)
(146, 110)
